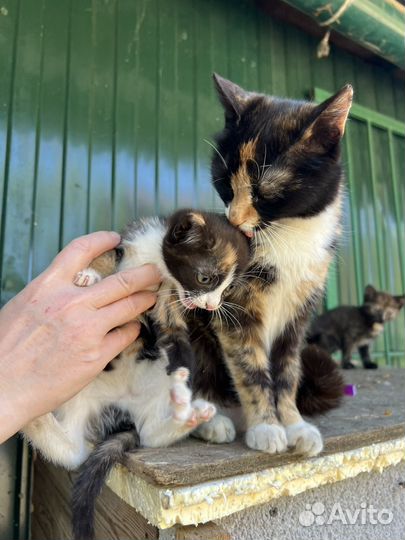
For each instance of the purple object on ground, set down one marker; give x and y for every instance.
(350, 390)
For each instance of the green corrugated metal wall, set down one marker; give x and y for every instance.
(104, 107)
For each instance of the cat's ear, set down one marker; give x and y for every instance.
(188, 228)
(369, 293)
(400, 301)
(232, 97)
(328, 127)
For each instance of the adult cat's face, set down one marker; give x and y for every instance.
(277, 158)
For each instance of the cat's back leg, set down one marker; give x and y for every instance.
(61, 444)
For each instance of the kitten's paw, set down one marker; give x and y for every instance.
(305, 438)
(203, 411)
(370, 365)
(269, 438)
(348, 365)
(219, 430)
(180, 396)
(86, 277)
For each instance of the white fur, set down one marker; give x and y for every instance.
(160, 406)
(270, 438)
(295, 247)
(305, 438)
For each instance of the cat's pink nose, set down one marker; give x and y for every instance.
(210, 307)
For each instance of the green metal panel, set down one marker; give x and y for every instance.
(374, 241)
(377, 25)
(105, 105)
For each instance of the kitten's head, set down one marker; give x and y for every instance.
(380, 302)
(277, 158)
(204, 254)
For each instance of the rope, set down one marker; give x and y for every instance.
(323, 48)
(346, 4)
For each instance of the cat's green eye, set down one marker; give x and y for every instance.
(203, 278)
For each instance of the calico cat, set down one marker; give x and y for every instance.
(144, 398)
(277, 169)
(348, 327)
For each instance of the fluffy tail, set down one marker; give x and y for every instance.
(322, 384)
(91, 479)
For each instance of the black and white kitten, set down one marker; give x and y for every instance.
(199, 254)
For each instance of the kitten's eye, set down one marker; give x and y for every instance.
(203, 278)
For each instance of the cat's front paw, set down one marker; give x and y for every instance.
(270, 438)
(86, 277)
(203, 411)
(305, 438)
(219, 430)
(370, 365)
(348, 365)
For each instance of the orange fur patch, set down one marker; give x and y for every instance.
(241, 208)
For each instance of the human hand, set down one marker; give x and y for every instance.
(56, 337)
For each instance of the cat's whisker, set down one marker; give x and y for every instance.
(217, 151)
(231, 317)
(278, 239)
(232, 305)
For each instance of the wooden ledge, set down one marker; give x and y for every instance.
(193, 482)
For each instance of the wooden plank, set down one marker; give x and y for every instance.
(51, 517)
(374, 415)
(205, 531)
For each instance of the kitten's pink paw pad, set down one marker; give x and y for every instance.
(204, 410)
(181, 374)
(86, 277)
(180, 395)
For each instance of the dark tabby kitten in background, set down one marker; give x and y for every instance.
(346, 328)
(278, 171)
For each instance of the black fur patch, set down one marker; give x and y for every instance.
(210, 375)
(266, 274)
(179, 352)
(150, 332)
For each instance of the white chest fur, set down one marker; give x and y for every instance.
(299, 249)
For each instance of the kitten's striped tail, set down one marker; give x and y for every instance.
(91, 478)
(322, 385)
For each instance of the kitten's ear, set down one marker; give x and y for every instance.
(232, 97)
(369, 293)
(188, 228)
(329, 125)
(400, 301)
